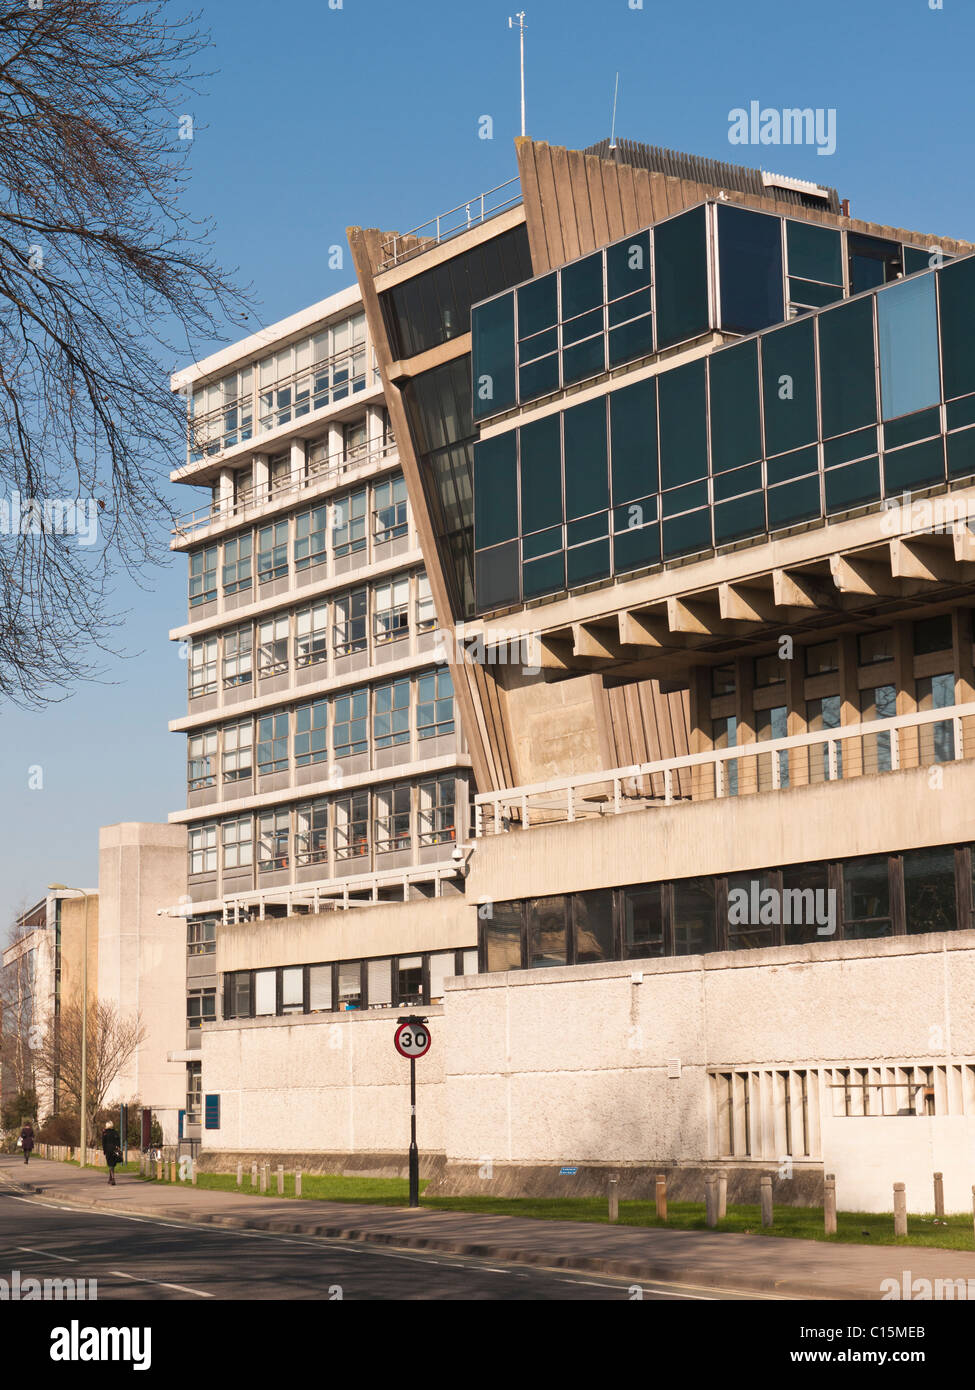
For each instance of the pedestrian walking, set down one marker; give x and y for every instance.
(27, 1140)
(112, 1148)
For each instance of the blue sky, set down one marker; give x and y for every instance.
(316, 118)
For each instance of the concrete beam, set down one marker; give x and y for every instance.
(597, 642)
(792, 589)
(739, 603)
(695, 615)
(645, 630)
(854, 575)
(924, 561)
(963, 541)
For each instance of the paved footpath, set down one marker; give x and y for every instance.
(774, 1266)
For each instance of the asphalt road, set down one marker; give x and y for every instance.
(145, 1258)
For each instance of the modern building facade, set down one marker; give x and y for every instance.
(326, 764)
(701, 444)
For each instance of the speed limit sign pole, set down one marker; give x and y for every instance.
(412, 1040)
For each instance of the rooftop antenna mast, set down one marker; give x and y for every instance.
(612, 135)
(522, 26)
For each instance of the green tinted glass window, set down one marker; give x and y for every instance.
(852, 485)
(586, 564)
(814, 253)
(846, 367)
(956, 284)
(583, 360)
(544, 576)
(736, 433)
(685, 534)
(628, 265)
(633, 426)
(918, 466)
(538, 305)
(750, 269)
(496, 576)
(789, 387)
(539, 378)
(586, 471)
(493, 345)
(634, 339)
(745, 516)
(582, 286)
(683, 424)
(907, 331)
(541, 474)
(495, 490)
(681, 277)
(793, 502)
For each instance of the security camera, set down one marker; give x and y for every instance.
(457, 854)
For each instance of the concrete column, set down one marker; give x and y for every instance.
(374, 426)
(259, 477)
(722, 1196)
(297, 461)
(852, 749)
(905, 700)
(711, 1198)
(900, 1209)
(829, 1204)
(767, 1212)
(336, 443)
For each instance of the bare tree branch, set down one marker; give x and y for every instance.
(104, 281)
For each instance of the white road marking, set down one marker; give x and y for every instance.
(49, 1253)
(121, 1274)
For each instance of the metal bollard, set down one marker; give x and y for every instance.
(661, 1197)
(298, 1183)
(280, 1179)
(767, 1213)
(613, 1192)
(829, 1204)
(900, 1209)
(711, 1198)
(722, 1196)
(939, 1194)
(240, 1174)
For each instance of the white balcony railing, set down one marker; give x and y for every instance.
(403, 247)
(880, 745)
(256, 500)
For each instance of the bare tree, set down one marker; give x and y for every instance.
(112, 1039)
(104, 280)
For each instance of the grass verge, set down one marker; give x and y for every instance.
(800, 1223)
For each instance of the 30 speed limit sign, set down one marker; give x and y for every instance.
(412, 1039)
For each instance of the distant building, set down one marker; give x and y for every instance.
(136, 962)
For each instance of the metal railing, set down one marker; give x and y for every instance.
(888, 745)
(257, 498)
(396, 249)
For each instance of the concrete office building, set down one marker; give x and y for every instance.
(136, 963)
(705, 442)
(326, 765)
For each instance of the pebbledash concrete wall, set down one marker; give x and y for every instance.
(607, 1067)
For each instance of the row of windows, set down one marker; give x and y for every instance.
(320, 457)
(323, 369)
(341, 986)
(774, 431)
(380, 820)
(301, 542)
(651, 291)
(299, 737)
(921, 890)
(343, 625)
